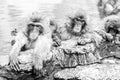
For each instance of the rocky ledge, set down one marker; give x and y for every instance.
(107, 70)
(25, 61)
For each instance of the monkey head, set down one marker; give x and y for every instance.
(34, 29)
(112, 26)
(77, 24)
(112, 2)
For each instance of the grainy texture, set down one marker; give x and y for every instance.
(91, 72)
(12, 13)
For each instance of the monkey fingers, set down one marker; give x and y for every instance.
(68, 51)
(15, 65)
(81, 41)
(109, 36)
(37, 67)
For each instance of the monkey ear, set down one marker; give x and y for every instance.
(25, 31)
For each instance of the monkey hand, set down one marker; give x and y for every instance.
(109, 36)
(68, 43)
(37, 66)
(14, 63)
(56, 44)
(82, 41)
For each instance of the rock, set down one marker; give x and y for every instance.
(91, 72)
(25, 60)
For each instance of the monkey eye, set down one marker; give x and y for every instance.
(30, 26)
(38, 25)
(33, 25)
(78, 19)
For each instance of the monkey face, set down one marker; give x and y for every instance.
(79, 24)
(77, 27)
(34, 30)
(112, 2)
(112, 27)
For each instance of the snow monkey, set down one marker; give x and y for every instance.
(112, 26)
(108, 7)
(36, 36)
(78, 43)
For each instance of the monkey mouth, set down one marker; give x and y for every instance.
(111, 26)
(33, 36)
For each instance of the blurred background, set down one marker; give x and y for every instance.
(12, 13)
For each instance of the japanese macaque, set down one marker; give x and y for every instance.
(109, 7)
(112, 26)
(78, 43)
(36, 37)
(75, 27)
(111, 42)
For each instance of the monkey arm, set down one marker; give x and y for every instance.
(104, 34)
(20, 41)
(117, 39)
(42, 51)
(115, 11)
(88, 37)
(56, 39)
(109, 8)
(68, 44)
